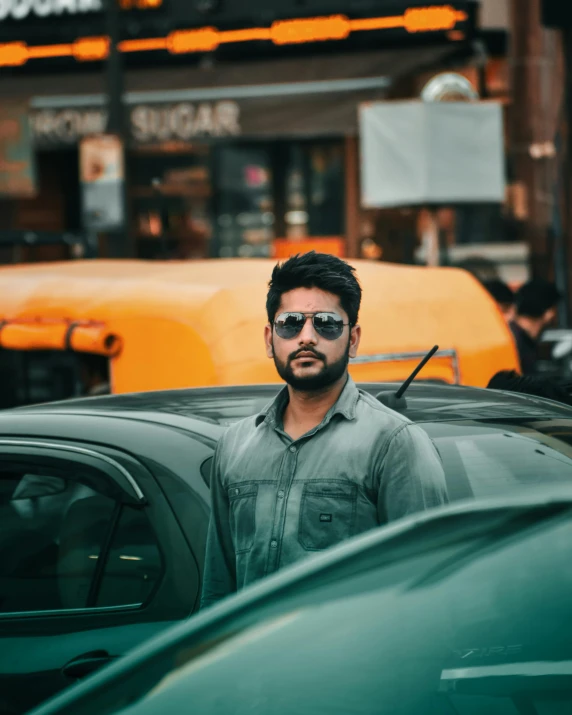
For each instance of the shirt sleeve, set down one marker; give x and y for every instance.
(412, 478)
(219, 577)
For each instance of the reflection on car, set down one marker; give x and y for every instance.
(462, 610)
(104, 507)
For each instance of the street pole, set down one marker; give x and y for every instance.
(118, 241)
(562, 230)
(564, 239)
(534, 65)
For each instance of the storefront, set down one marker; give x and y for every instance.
(242, 158)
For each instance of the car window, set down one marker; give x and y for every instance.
(486, 631)
(37, 535)
(133, 566)
(64, 545)
(206, 470)
(483, 460)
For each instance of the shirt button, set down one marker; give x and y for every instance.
(281, 494)
(292, 449)
(237, 491)
(274, 544)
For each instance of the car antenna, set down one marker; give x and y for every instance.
(395, 400)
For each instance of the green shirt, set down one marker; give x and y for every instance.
(276, 500)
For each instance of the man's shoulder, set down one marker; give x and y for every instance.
(240, 428)
(238, 434)
(371, 411)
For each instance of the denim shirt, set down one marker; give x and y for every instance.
(276, 500)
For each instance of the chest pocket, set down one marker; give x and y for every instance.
(327, 514)
(242, 501)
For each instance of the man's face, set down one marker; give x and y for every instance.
(545, 322)
(508, 311)
(309, 362)
(548, 318)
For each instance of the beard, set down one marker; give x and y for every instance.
(328, 375)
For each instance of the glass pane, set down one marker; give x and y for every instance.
(245, 202)
(51, 533)
(495, 459)
(171, 195)
(134, 564)
(315, 190)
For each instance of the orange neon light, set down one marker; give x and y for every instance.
(430, 19)
(145, 45)
(317, 29)
(45, 51)
(13, 54)
(377, 23)
(284, 32)
(139, 4)
(251, 35)
(183, 41)
(91, 48)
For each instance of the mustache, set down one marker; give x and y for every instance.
(315, 353)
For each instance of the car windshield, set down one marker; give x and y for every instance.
(483, 630)
(488, 458)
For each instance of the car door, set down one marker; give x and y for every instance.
(92, 562)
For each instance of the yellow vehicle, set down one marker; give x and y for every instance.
(200, 323)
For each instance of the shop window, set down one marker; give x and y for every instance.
(171, 201)
(315, 190)
(245, 201)
(481, 223)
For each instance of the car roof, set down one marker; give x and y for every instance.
(141, 432)
(425, 403)
(302, 585)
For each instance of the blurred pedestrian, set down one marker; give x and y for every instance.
(547, 387)
(504, 298)
(94, 374)
(536, 304)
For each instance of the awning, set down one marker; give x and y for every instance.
(315, 96)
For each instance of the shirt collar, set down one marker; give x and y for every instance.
(345, 405)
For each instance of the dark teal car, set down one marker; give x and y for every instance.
(465, 610)
(104, 505)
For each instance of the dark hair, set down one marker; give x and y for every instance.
(534, 298)
(549, 388)
(315, 270)
(503, 294)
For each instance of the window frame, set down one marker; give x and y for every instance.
(106, 550)
(120, 486)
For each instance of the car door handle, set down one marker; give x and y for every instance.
(85, 664)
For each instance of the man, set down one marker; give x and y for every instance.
(536, 303)
(503, 296)
(323, 461)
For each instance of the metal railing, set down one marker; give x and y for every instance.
(407, 357)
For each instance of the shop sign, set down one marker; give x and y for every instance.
(184, 121)
(102, 176)
(148, 124)
(17, 168)
(23, 9)
(66, 126)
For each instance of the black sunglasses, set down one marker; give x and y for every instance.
(328, 325)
